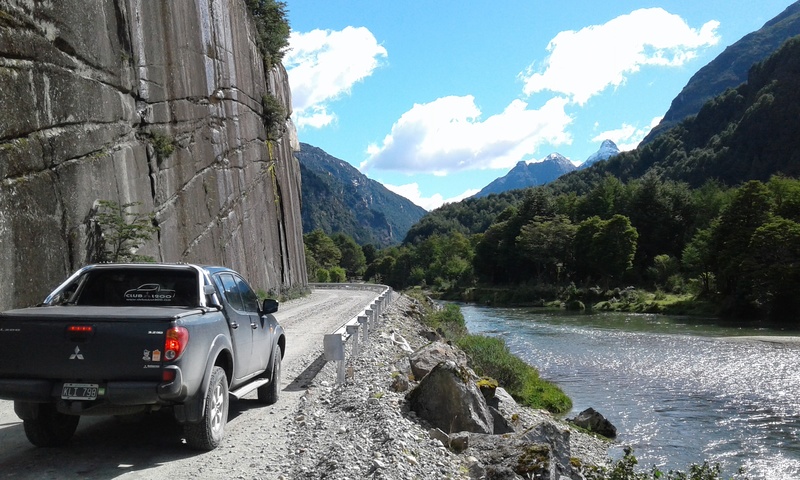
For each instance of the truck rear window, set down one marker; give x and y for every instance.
(144, 287)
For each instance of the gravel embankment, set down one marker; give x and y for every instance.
(364, 428)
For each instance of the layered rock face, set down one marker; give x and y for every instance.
(92, 90)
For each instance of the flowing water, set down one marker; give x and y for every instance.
(679, 391)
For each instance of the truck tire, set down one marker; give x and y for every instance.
(209, 431)
(270, 392)
(50, 428)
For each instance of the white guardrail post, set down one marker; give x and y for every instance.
(358, 326)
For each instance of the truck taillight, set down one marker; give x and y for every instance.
(80, 329)
(79, 333)
(177, 338)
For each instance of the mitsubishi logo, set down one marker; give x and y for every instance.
(77, 355)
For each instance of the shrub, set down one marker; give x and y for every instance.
(272, 29)
(162, 144)
(338, 275)
(624, 469)
(123, 231)
(273, 115)
(575, 305)
(323, 276)
(449, 321)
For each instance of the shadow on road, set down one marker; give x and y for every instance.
(302, 381)
(103, 447)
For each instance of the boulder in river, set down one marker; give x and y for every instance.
(593, 421)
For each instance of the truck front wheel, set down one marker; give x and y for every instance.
(208, 432)
(50, 428)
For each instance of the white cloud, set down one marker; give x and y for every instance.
(412, 192)
(627, 137)
(447, 135)
(323, 65)
(584, 63)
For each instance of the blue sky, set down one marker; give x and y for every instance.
(436, 99)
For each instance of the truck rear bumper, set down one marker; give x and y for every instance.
(111, 393)
(37, 391)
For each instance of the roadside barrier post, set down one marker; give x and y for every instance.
(367, 322)
(333, 344)
(352, 330)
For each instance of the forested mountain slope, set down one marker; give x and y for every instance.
(730, 68)
(747, 133)
(337, 198)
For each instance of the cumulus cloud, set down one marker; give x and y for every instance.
(448, 135)
(583, 63)
(627, 137)
(412, 192)
(323, 65)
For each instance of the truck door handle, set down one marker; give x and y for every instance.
(234, 325)
(254, 326)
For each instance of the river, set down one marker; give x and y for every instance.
(679, 391)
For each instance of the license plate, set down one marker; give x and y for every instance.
(79, 391)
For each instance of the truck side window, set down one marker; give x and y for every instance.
(249, 298)
(231, 291)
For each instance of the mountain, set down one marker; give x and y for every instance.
(729, 69)
(525, 174)
(337, 198)
(607, 150)
(747, 133)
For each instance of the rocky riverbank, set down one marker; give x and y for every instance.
(366, 429)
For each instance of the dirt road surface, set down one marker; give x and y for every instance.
(150, 446)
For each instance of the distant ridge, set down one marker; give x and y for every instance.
(533, 174)
(525, 175)
(337, 198)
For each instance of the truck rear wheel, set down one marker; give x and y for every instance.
(270, 392)
(208, 432)
(50, 428)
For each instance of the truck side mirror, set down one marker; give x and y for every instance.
(269, 306)
(211, 296)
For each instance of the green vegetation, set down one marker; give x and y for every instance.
(625, 469)
(273, 115)
(272, 29)
(490, 357)
(122, 231)
(732, 251)
(163, 145)
(333, 259)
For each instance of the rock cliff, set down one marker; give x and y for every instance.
(92, 91)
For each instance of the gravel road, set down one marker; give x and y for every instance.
(150, 446)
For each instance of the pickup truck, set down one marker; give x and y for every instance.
(119, 339)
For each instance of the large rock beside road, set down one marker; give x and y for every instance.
(449, 399)
(426, 358)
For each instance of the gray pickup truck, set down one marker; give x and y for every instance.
(118, 339)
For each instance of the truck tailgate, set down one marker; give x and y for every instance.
(105, 343)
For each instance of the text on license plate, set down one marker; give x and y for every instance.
(79, 391)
